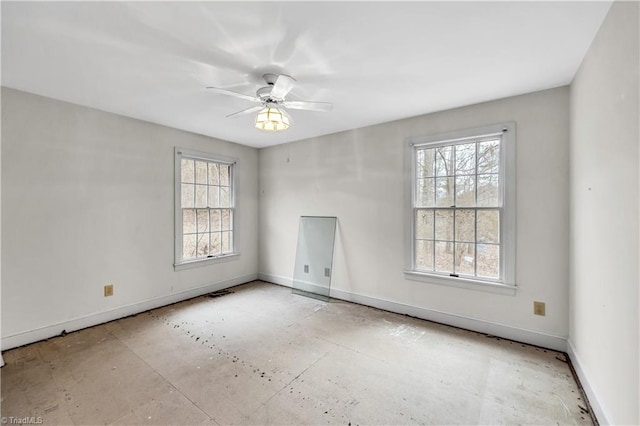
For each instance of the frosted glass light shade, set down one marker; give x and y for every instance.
(271, 119)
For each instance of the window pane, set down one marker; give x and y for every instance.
(424, 224)
(214, 177)
(188, 221)
(466, 159)
(424, 255)
(226, 242)
(425, 192)
(224, 196)
(203, 221)
(226, 220)
(489, 157)
(489, 226)
(465, 225)
(465, 191)
(444, 256)
(187, 195)
(187, 170)
(465, 259)
(206, 228)
(457, 207)
(215, 247)
(189, 246)
(424, 163)
(444, 225)
(215, 220)
(444, 161)
(203, 244)
(488, 258)
(224, 174)
(488, 194)
(214, 198)
(201, 196)
(201, 172)
(444, 192)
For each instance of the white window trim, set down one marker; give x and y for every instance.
(508, 218)
(180, 264)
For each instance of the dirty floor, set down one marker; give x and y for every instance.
(261, 355)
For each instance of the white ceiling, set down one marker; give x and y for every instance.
(375, 61)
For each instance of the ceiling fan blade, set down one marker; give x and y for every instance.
(282, 86)
(308, 105)
(246, 111)
(234, 94)
(288, 115)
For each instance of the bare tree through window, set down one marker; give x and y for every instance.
(206, 207)
(457, 208)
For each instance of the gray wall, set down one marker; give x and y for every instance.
(358, 176)
(87, 199)
(605, 179)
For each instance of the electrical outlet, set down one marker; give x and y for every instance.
(306, 269)
(108, 290)
(539, 308)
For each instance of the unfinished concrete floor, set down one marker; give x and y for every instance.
(264, 356)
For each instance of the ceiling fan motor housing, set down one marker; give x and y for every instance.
(264, 93)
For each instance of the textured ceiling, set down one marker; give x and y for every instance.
(375, 61)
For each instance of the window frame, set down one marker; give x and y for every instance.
(506, 283)
(179, 154)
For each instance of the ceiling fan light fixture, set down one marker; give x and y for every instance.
(271, 119)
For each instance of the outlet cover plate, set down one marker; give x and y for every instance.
(108, 290)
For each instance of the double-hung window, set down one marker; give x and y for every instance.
(463, 207)
(205, 207)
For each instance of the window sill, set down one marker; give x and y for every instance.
(470, 284)
(204, 262)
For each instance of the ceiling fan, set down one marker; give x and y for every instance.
(272, 100)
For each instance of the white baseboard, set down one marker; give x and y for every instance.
(35, 335)
(597, 408)
(531, 337)
(275, 279)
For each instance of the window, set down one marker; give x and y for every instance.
(205, 207)
(462, 207)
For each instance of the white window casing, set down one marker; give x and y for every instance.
(421, 264)
(205, 216)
